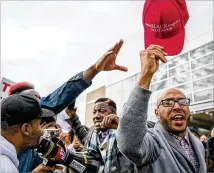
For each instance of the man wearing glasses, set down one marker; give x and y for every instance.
(168, 147)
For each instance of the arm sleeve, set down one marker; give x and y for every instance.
(79, 130)
(6, 165)
(59, 99)
(133, 138)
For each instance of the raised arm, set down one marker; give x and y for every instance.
(73, 120)
(133, 138)
(59, 99)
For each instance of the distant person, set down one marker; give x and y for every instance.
(67, 138)
(195, 132)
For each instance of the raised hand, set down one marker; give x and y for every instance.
(71, 112)
(107, 61)
(149, 63)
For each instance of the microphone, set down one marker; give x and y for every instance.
(56, 153)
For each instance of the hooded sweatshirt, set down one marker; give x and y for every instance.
(8, 156)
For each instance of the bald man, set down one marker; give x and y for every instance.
(169, 147)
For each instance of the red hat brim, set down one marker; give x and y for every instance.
(172, 46)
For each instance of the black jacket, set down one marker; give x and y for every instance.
(123, 165)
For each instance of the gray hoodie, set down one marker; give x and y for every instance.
(8, 156)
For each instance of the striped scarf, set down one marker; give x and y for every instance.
(108, 150)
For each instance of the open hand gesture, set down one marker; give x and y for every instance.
(107, 61)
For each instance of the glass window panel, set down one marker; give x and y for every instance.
(179, 79)
(179, 70)
(159, 86)
(204, 83)
(154, 96)
(162, 68)
(127, 86)
(189, 96)
(115, 93)
(137, 77)
(210, 46)
(151, 115)
(207, 48)
(203, 95)
(202, 72)
(202, 61)
(159, 76)
(186, 88)
(182, 59)
(161, 73)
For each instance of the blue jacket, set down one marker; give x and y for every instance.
(28, 160)
(56, 101)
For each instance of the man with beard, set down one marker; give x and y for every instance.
(20, 129)
(168, 147)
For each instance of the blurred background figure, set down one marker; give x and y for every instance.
(195, 132)
(209, 148)
(78, 147)
(52, 125)
(203, 139)
(67, 138)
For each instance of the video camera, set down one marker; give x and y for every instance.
(56, 153)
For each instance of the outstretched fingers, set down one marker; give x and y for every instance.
(121, 68)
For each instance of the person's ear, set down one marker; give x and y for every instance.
(157, 114)
(26, 129)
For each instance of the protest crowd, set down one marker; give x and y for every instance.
(33, 138)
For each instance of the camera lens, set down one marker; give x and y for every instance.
(52, 133)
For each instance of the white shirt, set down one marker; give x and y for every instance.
(60, 119)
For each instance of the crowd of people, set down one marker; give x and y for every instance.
(45, 134)
(127, 144)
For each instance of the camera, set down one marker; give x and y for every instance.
(80, 162)
(49, 133)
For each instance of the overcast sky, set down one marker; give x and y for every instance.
(47, 42)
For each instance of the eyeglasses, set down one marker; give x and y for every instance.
(171, 102)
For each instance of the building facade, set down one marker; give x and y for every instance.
(191, 72)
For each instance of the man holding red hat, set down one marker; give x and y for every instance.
(169, 147)
(164, 22)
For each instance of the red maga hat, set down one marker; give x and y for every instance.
(164, 22)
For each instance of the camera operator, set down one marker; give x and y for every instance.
(20, 129)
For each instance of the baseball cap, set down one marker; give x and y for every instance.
(21, 108)
(164, 24)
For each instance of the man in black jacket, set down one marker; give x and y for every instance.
(101, 136)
